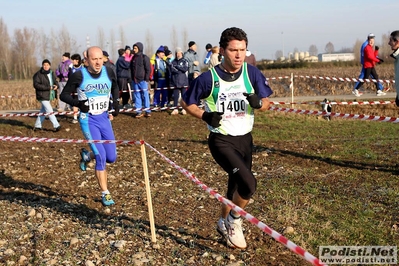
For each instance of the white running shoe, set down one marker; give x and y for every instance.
(380, 93)
(183, 112)
(221, 228)
(175, 112)
(234, 232)
(357, 93)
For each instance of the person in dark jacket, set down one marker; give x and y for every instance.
(123, 76)
(179, 79)
(45, 84)
(140, 72)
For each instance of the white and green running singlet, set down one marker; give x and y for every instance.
(228, 97)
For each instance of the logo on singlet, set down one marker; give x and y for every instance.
(100, 88)
(234, 87)
(222, 97)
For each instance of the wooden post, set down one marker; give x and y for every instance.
(147, 188)
(292, 89)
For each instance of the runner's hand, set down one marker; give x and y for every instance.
(212, 118)
(253, 100)
(115, 105)
(83, 106)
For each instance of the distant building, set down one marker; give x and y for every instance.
(336, 57)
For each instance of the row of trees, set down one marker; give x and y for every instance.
(22, 53)
(384, 51)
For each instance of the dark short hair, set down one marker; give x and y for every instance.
(76, 57)
(231, 34)
(395, 35)
(121, 51)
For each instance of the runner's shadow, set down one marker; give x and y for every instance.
(342, 163)
(35, 196)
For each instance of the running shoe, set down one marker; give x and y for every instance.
(380, 93)
(85, 158)
(234, 232)
(357, 93)
(221, 229)
(107, 200)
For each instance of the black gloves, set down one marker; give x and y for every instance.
(377, 48)
(115, 105)
(212, 118)
(397, 101)
(83, 106)
(253, 100)
(381, 61)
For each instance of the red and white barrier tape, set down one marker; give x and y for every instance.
(277, 236)
(354, 116)
(28, 139)
(126, 110)
(339, 103)
(345, 79)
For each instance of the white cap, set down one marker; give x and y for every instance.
(371, 35)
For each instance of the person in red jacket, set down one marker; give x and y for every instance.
(370, 59)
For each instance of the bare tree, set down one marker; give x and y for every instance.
(329, 48)
(5, 52)
(185, 39)
(122, 37)
(356, 49)
(43, 45)
(174, 39)
(64, 40)
(24, 46)
(113, 51)
(313, 50)
(54, 49)
(385, 50)
(100, 38)
(149, 43)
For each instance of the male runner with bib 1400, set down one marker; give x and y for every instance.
(230, 92)
(94, 86)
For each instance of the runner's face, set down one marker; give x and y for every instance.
(234, 55)
(95, 59)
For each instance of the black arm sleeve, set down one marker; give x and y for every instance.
(72, 84)
(114, 86)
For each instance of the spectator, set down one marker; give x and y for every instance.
(108, 63)
(370, 59)
(250, 58)
(394, 43)
(45, 84)
(193, 61)
(123, 74)
(62, 75)
(209, 52)
(179, 80)
(140, 72)
(93, 118)
(214, 57)
(230, 139)
(160, 79)
(361, 76)
(76, 66)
